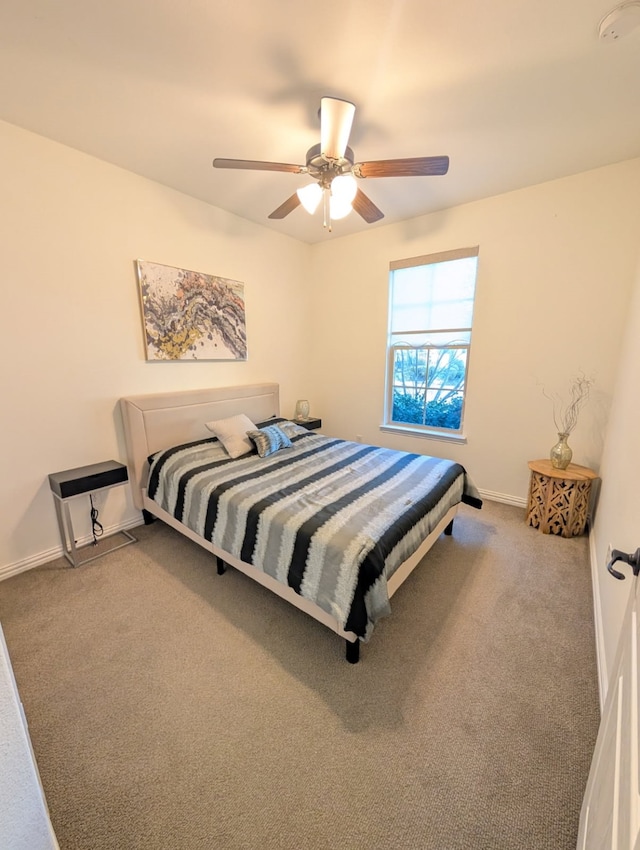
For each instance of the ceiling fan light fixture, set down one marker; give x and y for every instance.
(336, 118)
(310, 197)
(344, 188)
(339, 208)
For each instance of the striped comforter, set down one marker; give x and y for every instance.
(332, 519)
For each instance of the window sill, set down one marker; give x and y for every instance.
(429, 435)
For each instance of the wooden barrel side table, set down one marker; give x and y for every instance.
(559, 498)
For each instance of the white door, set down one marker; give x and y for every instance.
(610, 817)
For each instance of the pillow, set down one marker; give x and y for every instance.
(232, 433)
(269, 440)
(291, 429)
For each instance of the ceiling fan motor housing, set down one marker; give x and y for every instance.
(324, 169)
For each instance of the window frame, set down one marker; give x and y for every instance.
(414, 429)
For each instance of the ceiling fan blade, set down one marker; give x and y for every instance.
(365, 207)
(336, 118)
(419, 166)
(289, 206)
(256, 165)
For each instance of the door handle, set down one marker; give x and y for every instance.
(625, 557)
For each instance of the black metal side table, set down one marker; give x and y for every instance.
(71, 484)
(310, 424)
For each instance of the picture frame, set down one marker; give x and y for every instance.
(190, 315)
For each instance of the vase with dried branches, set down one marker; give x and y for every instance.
(565, 418)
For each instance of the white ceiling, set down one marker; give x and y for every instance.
(516, 92)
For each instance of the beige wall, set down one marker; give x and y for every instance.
(71, 227)
(556, 270)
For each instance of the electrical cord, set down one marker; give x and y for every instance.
(96, 527)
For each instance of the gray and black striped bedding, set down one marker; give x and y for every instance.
(331, 518)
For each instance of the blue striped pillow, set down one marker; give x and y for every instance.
(269, 440)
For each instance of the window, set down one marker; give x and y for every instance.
(430, 316)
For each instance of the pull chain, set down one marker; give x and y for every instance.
(326, 208)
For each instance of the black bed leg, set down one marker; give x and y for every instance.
(222, 567)
(353, 651)
(147, 517)
(449, 529)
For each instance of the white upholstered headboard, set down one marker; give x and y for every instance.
(161, 420)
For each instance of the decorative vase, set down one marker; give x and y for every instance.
(561, 453)
(302, 409)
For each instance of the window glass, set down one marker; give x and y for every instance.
(430, 319)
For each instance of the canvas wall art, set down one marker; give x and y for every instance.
(190, 315)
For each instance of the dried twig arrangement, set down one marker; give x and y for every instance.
(565, 417)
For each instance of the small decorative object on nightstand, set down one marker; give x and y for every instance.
(83, 481)
(302, 410)
(559, 498)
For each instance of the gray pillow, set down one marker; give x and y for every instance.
(232, 433)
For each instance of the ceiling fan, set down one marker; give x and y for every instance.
(331, 164)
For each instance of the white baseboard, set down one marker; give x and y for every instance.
(504, 498)
(32, 561)
(9, 570)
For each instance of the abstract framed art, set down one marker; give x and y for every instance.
(188, 315)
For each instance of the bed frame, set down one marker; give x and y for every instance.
(161, 420)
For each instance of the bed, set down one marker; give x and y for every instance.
(332, 526)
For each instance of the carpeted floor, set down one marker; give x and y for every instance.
(170, 707)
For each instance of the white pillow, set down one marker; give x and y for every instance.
(232, 433)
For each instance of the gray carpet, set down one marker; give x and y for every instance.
(170, 707)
